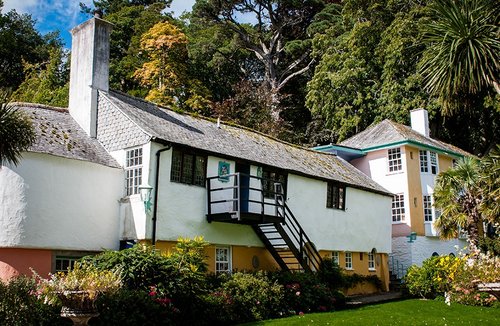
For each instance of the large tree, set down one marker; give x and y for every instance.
(16, 134)
(277, 35)
(21, 43)
(462, 58)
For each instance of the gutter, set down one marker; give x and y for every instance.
(157, 179)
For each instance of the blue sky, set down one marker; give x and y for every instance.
(62, 15)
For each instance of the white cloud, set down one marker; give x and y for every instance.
(21, 6)
(179, 6)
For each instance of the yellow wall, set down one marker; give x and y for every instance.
(361, 267)
(415, 210)
(243, 256)
(445, 162)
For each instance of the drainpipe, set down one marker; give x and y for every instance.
(157, 179)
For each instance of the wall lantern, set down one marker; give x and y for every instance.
(145, 191)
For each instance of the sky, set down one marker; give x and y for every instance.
(63, 15)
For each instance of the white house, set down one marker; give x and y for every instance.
(261, 203)
(405, 161)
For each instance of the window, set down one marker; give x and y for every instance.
(398, 208)
(188, 168)
(371, 261)
(348, 260)
(133, 169)
(424, 164)
(335, 196)
(433, 162)
(427, 208)
(222, 260)
(428, 160)
(269, 177)
(65, 263)
(335, 257)
(394, 159)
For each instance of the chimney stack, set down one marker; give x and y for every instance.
(420, 121)
(89, 70)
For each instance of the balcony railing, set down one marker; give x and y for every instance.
(241, 198)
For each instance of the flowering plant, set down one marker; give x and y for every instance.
(82, 278)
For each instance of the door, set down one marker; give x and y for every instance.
(244, 169)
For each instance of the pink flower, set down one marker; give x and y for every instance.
(301, 313)
(297, 293)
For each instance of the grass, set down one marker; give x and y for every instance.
(407, 312)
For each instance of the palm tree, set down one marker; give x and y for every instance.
(463, 50)
(458, 195)
(16, 134)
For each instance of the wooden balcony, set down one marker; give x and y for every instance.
(241, 198)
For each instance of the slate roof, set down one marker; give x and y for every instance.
(58, 134)
(237, 142)
(388, 132)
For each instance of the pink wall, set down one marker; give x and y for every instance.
(14, 261)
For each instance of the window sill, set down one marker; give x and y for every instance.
(394, 173)
(372, 269)
(398, 222)
(349, 269)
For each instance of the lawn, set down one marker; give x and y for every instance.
(407, 312)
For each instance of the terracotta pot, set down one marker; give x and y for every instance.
(79, 306)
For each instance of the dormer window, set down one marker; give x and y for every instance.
(189, 168)
(394, 159)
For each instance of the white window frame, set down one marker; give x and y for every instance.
(427, 207)
(133, 170)
(371, 261)
(398, 208)
(70, 262)
(348, 260)
(394, 160)
(223, 265)
(424, 161)
(433, 161)
(336, 257)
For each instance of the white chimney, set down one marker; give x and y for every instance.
(420, 121)
(89, 71)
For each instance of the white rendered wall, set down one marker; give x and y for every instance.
(182, 209)
(422, 248)
(375, 165)
(364, 225)
(57, 203)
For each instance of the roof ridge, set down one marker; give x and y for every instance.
(39, 106)
(227, 123)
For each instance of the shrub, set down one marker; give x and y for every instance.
(424, 281)
(305, 292)
(133, 307)
(331, 274)
(245, 297)
(19, 305)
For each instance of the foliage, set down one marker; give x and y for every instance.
(466, 196)
(455, 277)
(16, 134)
(21, 43)
(427, 281)
(246, 297)
(462, 56)
(133, 307)
(473, 269)
(46, 82)
(305, 292)
(141, 266)
(19, 305)
(83, 277)
(166, 72)
(281, 51)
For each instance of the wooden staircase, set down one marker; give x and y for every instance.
(288, 244)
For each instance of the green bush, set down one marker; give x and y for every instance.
(421, 281)
(306, 292)
(247, 297)
(133, 307)
(331, 274)
(19, 305)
